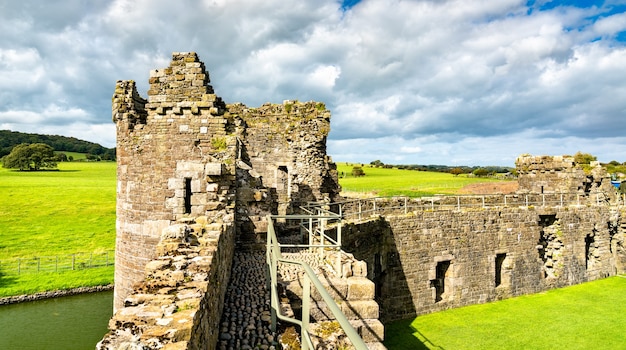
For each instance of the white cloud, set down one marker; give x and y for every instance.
(415, 81)
(325, 76)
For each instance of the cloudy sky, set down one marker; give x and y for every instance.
(452, 82)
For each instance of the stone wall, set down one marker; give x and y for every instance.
(179, 302)
(428, 261)
(284, 152)
(187, 161)
(172, 153)
(549, 174)
(195, 175)
(184, 153)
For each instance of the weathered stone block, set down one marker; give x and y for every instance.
(369, 330)
(213, 169)
(360, 309)
(360, 288)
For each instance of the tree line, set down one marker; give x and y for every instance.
(455, 170)
(10, 139)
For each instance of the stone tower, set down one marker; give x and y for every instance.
(184, 153)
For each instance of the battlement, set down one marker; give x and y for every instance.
(183, 152)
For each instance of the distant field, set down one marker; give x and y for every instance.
(52, 213)
(591, 315)
(75, 155)
(393, 182)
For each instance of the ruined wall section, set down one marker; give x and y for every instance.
(561, 174)
(429, 261)
(284, 148)
(175, 160)
(177, 305)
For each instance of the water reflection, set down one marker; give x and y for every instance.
(67, 323)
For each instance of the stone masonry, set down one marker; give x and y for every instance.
(184, 153)
(446, 256)
(197, 175)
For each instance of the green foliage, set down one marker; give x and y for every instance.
(584, 158)
(357, 171)
(60, 157)
(218, 143)
(587, 316)
(481, 172)
(456, 171)
(402, 182)
(34, 156)
(9, 139)
(613, 168)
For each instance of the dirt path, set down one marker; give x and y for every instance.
(503, 187)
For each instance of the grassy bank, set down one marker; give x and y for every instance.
(393, 182)
(52, 213)
(587, 316)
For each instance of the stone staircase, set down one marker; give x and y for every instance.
(352, 291)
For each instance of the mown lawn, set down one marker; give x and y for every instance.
(393, 182)
(51, 213)
(587, 316)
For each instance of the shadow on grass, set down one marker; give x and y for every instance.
(5, 280)
(401, 335)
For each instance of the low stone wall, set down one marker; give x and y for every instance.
(429, 261)
(53, 294)
(179, 303)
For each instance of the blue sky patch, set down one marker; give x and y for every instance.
(348, 4)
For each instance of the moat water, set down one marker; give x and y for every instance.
(66, 323)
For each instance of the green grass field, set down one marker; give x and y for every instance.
(51, 213)
(587, 316)
(393, 182)
(73, 210)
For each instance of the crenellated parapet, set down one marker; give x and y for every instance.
(183, 88)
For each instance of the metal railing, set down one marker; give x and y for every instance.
(57, 263)
(365, 207)
(274, 257)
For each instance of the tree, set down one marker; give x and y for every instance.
(480, 172)
(377, 163)
(30, 157)
(61, 157)
(357, 171)
(456, 171)
(584, 158)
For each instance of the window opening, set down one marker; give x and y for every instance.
(187, 195)
(499, 261)
(439, 283)
(378, 276)
(589, 250)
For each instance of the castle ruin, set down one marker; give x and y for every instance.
(198, 176)
(183, 153)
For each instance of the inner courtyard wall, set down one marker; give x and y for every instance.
(429, 261)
